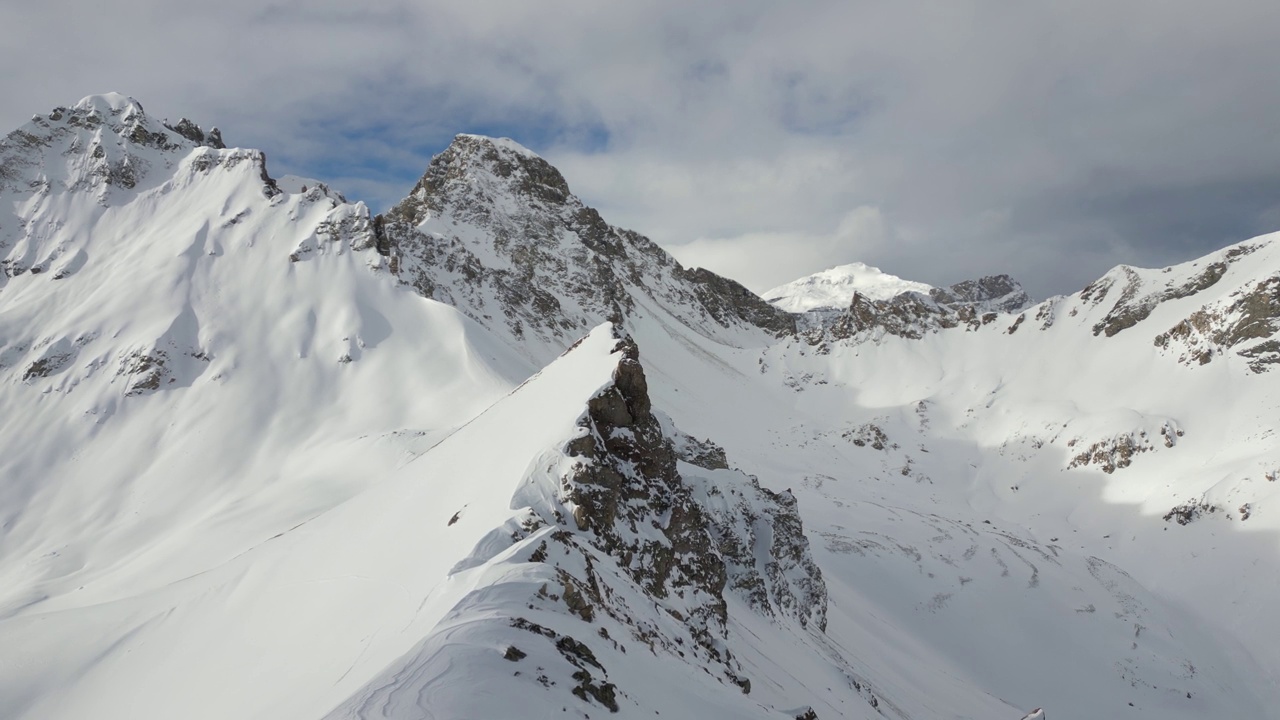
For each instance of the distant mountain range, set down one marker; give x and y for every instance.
(267, 454)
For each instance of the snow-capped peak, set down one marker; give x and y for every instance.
(100, 143)
(834, 289)
(108, 103)
(492, 221)
(503, 143)
(488, 176)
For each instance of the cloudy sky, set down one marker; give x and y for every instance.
(764, 140)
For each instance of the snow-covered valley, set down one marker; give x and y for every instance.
(265, 454)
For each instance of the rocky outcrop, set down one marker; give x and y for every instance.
(1249, 321)
(867, 434)
(728, 301)
(1192, 510)
(970, 304)
(642, 522)
(628, 479)
(192, 132)
(1117, 452)
(105, 141)
(702, 453)
(788, 584)
(994, 293)
(1137, 301)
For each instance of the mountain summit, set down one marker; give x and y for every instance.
(493, 228)
(101, 142)
(266, 454)
(834, 289)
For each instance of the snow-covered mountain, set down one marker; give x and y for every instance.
(849, 299)
(267, 454)
(492, 229)
(834, 289)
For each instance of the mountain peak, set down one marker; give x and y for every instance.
(134, 125)
(834, 289)
(502, 144)
(112, 103)
(102, 141)
(475, 171)
(492, 222)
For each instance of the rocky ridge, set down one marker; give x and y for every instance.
(684, 535)
(107, 141)
(629, 476)
(970, 304)
(644, 549)
(1244, 319)
(102, 152)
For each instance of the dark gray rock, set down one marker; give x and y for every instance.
(994, 293)
(970, 304)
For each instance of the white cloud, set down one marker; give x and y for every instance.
(1046, 140)
(765, 260)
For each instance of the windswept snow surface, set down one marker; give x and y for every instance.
(834, 289)
(985, 524)
(301, 619)
(248, 470)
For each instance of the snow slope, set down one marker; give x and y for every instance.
(1076, 447)
(178, 390)
(380, 562)
(267, 455)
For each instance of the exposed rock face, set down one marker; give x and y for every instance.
(726, 300)
(909, 315)
(192, 132)
(1117, 452)
(702, 453)
(493, 229)
(788, 584)
(994, 293)
(1137, 301)
(629, 479)
(1133, 306)
(1245, 318)
(1250, 321)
